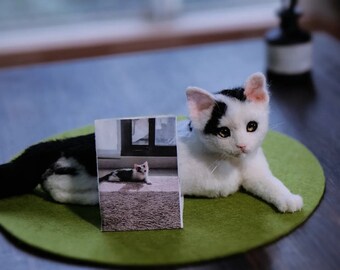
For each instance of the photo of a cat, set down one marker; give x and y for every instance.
(138, 179)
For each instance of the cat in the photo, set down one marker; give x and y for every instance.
(220, 153)
(139, 173)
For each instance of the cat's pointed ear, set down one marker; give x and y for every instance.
(145, 163)
(199, 102)
(256, 88)
(135, 166)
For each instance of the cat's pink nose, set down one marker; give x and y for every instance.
(241, 146)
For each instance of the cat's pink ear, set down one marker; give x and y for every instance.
(199, 101)
(135, 166)
(145, 163)
(256, 88)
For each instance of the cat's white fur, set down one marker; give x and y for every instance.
(78, 189)
(212, 166)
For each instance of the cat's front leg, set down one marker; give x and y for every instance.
(147, 181)
(259, 180)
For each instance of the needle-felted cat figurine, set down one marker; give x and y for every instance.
(222, 150)
(139, 173)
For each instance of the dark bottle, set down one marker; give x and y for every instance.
(289, 48)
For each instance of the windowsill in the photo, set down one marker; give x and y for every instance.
(97, 38)
(156, 162)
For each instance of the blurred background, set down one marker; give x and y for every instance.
(17, 14)
(65, 63)
(38, 31)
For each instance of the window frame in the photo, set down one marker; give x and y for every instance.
(129, 149)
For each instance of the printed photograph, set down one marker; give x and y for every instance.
(137, 174)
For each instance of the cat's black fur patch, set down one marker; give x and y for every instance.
(25, 172)
(59, 171)
(218, 111)
(125, 175)
(190, 126)
(237, 93)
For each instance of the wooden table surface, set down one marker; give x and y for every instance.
(42, 100)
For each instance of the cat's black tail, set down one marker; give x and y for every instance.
(14, 182)
(24, 173)
(105, 177)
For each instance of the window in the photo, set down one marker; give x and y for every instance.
(149, 137)
(140, 131)
(165, 131)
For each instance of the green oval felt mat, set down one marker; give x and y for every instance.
(213, 228)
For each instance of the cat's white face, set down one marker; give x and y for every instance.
(142, 169)
(232, 122)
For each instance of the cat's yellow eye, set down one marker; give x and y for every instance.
(251, 126)
(223, 132)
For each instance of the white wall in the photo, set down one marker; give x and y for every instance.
(108, 141)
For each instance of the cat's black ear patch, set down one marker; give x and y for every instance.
(218, 111)
(237, 93)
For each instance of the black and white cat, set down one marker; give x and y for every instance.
(139, 173)
(220, 152)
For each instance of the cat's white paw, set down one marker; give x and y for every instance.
(290, 203)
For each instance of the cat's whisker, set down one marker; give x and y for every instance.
(217, 162)
(212, 171)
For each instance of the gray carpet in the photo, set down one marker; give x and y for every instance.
(123, 211)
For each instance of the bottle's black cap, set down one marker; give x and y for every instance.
(289, 16)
